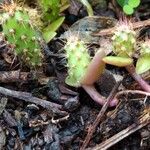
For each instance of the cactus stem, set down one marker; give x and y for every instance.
(19, 30)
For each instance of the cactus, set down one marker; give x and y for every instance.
(78, 61)
(19, 32)
(46, 15)
(124, 40)
(84, 71)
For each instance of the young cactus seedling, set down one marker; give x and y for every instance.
(82, 70)
(19, 32)
(124, 42)
(78, 60)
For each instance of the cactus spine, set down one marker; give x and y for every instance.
(124, 40)
(20, 33)
(145, 48)
(78, 60)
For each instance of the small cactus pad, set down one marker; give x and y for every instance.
(124, 40)
(78, 61)
(19, 32)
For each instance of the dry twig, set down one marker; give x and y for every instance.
(99, 117)
(145, 120)
(51, 107)
(16, 76)
(132, 92)
(136, 25)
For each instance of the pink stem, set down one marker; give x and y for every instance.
(95, 68)
(90, 89)
(145, 86)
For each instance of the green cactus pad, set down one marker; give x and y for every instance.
(18, 30)
(78, 61)
(124, 40)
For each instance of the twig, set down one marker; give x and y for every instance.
(56, 121)
(145, 120)
(99, 116)
(133, 92)
(10, 121)
(51, 107)
(15, 76)
(136, 25)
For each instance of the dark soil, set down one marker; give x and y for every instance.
(29, 126)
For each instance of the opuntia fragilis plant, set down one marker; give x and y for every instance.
(21, 34)
(83, 70)
(124, 43)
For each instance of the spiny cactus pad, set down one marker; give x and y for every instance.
(124, 40)
(19, 32)
(78, 61)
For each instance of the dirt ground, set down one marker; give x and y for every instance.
(38, 111)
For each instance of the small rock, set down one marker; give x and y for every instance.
(72, 104)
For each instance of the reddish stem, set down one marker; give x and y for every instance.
(90, 89)
(145, 86)
(95, 68)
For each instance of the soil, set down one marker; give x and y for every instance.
(38, 111)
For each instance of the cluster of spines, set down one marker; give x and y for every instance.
(19, 32)
(78, 60)
(124, 40)
(145, 48)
